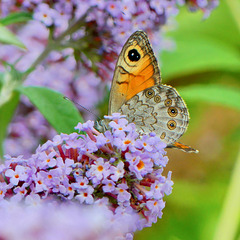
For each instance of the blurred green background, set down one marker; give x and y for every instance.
(205, 69)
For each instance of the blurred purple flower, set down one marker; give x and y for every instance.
(38, 219)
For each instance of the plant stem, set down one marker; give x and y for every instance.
(41, 57)
(53, 43)
(230, 216)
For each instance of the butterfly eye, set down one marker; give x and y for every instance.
(171, 124)
(157, 99)
(172, 111)
(134, 55)
(150, 93)
(168, 102)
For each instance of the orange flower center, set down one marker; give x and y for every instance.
(140, 165)
(100, 168)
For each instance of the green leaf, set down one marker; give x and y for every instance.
(213, 93)
(6, 113)
(60, 113)
(8, 37)
(16, 17)
(9, 81)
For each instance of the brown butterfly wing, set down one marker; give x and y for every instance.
(136, 70)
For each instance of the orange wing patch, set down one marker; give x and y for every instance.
(136, 70)
(135, 88)
(137, 81)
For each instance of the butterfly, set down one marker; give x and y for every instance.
(137, 93)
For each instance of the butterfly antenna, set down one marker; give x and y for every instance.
(82, 107)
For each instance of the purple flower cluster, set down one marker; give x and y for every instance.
(41, 220)
(84, 66)
(117, 166)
